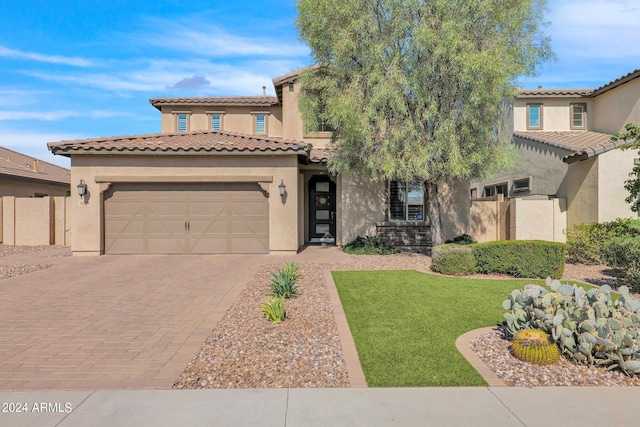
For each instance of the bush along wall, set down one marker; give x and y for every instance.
(586, 242)
(520, 258)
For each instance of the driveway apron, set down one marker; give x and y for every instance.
(125, 322)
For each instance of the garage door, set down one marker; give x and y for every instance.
(186, 218)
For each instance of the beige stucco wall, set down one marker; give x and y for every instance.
(580, 189)
(8, 220)
(483, 220)
(34, 221)
(539, 219)
(613, 170)
(234, 119)
(60, 220)
(541, 162)
(283, 218)
(556, 113)
(11, 187)
(362, 203)
(454, 207)
(617, 107)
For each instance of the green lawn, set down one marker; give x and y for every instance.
(405, 323)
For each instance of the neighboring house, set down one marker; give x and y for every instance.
(25, 176)
(565, 152)
(212, 181)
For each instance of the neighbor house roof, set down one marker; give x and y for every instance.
(582, 144)
(20, 166)
(250, 101)
(180, 143)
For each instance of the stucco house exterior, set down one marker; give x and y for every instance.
(236, 175)
(25, 176)
(562, 137)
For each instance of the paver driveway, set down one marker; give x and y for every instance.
(113, 321)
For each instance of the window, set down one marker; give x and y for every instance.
(534, 116)
(522, 185)
(578, 116)
(182, 122)
(216, 121)
(260, 123)
(492, 190)
(406, 201)
(474, 193)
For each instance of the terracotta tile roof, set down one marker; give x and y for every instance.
(250, 101)
(14, 164)
(554, 93)
(189, 142)
(617, 82)
(293, 75)
(320, 155)
(582, 144)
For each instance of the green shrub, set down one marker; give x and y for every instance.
(623, 254)
(463, 239)
(585, 242)
(453, 259)
(520, 258)
(284, 283)
(369, 245)
(274, 309)
(587, 326)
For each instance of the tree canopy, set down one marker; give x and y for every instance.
(414, 89)
(631, 138)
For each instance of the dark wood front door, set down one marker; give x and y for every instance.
(322, 210)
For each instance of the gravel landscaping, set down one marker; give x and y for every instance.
(246, 351)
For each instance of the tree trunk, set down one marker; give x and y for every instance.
(437, 237)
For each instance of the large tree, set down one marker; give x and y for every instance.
(631, 138)
(414, 89)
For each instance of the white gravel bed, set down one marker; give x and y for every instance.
(9, 250)
(494, 349)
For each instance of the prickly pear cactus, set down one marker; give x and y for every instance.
(535, 346)
(586, 325)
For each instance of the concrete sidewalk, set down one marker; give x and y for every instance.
(478, 406)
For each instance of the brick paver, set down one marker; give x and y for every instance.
(113, 321)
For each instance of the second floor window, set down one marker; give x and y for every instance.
(534, 116)
(182, 123)
(406, 201)
(216, 122)
(578, 116)
(261, 123)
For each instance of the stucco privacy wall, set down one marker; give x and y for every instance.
(87, 219)
(483, 219)
(34, 221)
(613, 170)
(539, 219)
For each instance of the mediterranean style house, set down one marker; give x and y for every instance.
(237, 175)
(563, 139)
(25, 176)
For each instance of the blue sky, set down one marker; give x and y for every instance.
(80, 69)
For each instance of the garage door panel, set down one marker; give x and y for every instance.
(179, 218)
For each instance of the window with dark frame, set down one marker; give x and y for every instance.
(406, 201)
(522, 185)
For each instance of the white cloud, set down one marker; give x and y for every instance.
(214, 41)
(596, 28)
(58, 115)
(51, 59)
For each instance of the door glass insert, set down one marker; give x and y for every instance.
(322, 214)
(322, 229)
(322, 187)
(322, 201)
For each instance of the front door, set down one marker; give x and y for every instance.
(322, 210)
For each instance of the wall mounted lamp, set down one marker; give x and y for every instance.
(282, 187)
(82, 188)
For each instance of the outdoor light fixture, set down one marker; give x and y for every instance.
(282, 187)
(82, 188)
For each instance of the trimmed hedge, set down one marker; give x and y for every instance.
(452, 259)
(521, 258)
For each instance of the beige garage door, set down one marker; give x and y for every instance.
(186, 218)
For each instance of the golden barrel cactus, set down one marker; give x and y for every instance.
(535, 346)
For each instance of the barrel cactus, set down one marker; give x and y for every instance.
(535, 346)
(586, 325)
